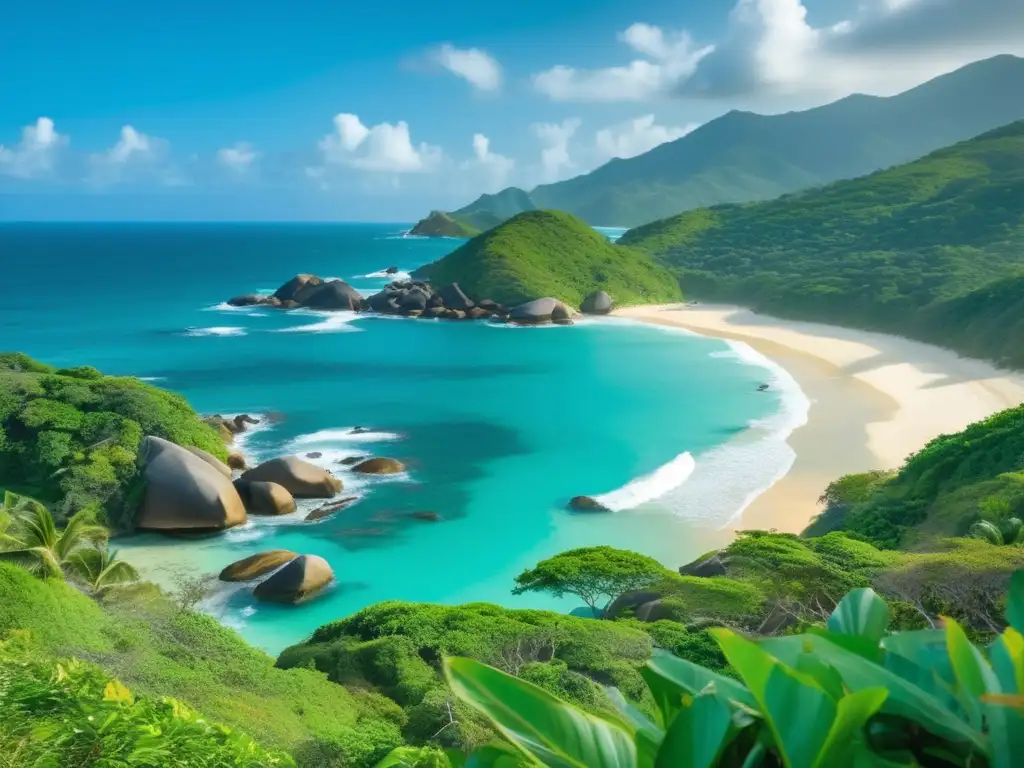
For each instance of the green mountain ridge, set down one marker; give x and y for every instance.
(743, 157)
(550, 253)
(901, 250)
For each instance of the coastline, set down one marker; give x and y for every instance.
(875, 398)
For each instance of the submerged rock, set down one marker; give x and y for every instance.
(257, 565)
(302, 479)
(298, 581)
(379, 466)
(248, 300)
(586, 504)
(596, 303)
(329, 509)
(265, 498)
(430, 517)
(183, 491)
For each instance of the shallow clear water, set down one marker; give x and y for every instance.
(499, 426)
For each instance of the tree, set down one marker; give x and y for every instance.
(30, 537)
(1009, 532)
(100, 569)
(591, 573)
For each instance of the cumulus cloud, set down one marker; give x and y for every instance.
(772, 50)
(238, 158)
(555, 161)
(134, 156)
(670, 57)
(477, 67)
(35, 154)
(384, 147)
(634, 137)
(494, 167)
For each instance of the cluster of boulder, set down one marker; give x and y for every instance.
(418, 298)
(294, 578)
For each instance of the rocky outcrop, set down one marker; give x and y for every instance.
(379, 466)
(586, 504)
(210, 459)
(329, 509)
(287, 291)
(257, 565)
(300, 478)
(596, 303)
(453, 297)
(183, 491)
(297, 582)
(248, 300)
(334, 295)
(265, 498)
(391, 270)
(348, 461)
(705, 567)
(540, 311)
(236, 461)
(629, 601)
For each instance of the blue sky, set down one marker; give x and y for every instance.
(381, 111)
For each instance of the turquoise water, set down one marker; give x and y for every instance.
(498, 425)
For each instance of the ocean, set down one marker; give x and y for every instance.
(498, 425)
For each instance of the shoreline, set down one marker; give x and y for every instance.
(875, 398)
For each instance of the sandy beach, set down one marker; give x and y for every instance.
(874, 398)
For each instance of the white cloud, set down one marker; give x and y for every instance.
(383, 147)
(35, 154)
(133, 157)
(670, 58)
(131, 144)
(477, 67)
(555, 162)
(238, 158)
(772, 51)
(634, 137)
(496, 168)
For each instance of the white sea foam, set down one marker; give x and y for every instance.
(332, 322)
(342, 434)
(384, 275)
(661, 481)
(254, 310)
(216, 331)
(152, 378)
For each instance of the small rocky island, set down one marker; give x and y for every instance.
(418, 298)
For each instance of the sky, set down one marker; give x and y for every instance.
(382, 111)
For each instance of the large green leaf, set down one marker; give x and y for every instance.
(670, 678)
(852, 713)
(974, 677)
(556, 733)
(647, 734)
(698, 734)
(861, 613)
(1015, 602)
(905, 699)
(497, 756)
(1007, 657)
(415, 757)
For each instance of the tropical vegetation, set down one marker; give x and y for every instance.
(929, 250)
(70, 436)
(549, 253)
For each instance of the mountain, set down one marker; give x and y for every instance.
(932, 249)
(441, 224)
(742, 157)
(504, 204)
(550, 253)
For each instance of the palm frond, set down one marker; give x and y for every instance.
(983, 529)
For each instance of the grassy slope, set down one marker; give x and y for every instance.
(440, 224)
(549, 253)
(157, 651)
(897, 250)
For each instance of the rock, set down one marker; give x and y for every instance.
(236, 461)
(329, 509)
(629, 601)
(263, 498)
(335, 295)
(248, 300)
(431, 312)
(538, 311)
(379, 466)
(183, 491)
(493, 306)
(359, 430)
(710, 565)
(562, 315)
(314, 455)
(455, 314)
(762, 387)
(586, 504)
(596, 303)
(220, 428)
(350, 460)
(413, 312)
(379, 302)
(210, 459)
(257, 565)
(430, 517)
(414, 299)
(300, 580)
(454, 298)
(271, 301)
(300, 478)
(478, 313)
(289, 304)
(655, 610)
(287, 291)
(241, 421)
(391, 271)
(437, 300)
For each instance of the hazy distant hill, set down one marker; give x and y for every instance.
(932, 249)
(742, 156)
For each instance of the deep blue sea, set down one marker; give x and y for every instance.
(499, 426)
